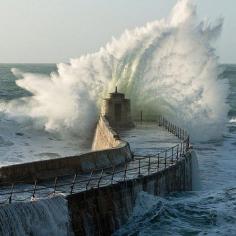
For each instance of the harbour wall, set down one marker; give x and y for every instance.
(108, 150)
(105, 137)
(101, 211)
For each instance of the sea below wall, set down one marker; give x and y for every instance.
(101, 211)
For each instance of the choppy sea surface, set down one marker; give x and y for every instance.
(210, 210)
(20, 139)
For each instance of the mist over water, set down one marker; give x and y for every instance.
(167, 67)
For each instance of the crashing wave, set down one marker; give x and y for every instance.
(167, 67)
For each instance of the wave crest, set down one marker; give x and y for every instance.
(167, 67)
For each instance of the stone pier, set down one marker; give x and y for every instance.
(103, 210)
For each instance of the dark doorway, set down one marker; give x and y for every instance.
(118, 112)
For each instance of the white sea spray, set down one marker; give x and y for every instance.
(44, 217)
(167, 67)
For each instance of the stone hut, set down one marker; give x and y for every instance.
(116, 108)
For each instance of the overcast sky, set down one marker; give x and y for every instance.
(56, 30)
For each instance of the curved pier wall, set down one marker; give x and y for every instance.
(109, 151)
(102, 211)
(105, 137)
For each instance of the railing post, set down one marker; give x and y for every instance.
(34, 191)
(100, 179)
(55, 185)
(181, 147)
(165, 158)
(10, 197)
(91, 174)
(125, 171)
(141, 116)
(177, 153)
(158, 160)
(139, 167)
(187, 145)
(149, 165)
(73, 183)
(172, 155)
(113, 173)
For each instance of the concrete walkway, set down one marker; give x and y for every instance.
(148, 138)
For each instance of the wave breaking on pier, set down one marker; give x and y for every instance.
(167, 67)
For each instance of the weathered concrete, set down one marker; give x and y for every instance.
(109, 151)
(102, 211)
(105, 137)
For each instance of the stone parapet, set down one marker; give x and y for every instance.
(108, 151)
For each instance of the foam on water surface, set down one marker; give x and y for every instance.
(39, 218)
(167, 67)
(22, 142)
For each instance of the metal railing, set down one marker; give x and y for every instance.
(138, 167)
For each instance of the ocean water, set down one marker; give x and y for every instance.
(24, 139)
(39, 218)
(167, 67)
(211, 208)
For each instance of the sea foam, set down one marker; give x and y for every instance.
(39, 218)
(167, 67)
